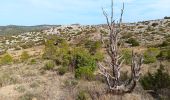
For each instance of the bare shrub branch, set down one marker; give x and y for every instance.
(112, 74)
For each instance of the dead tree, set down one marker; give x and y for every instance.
(112, 72)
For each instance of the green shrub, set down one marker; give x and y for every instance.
(155, 24)
(164, 44)
(62, 70)
(149, 28)
(93, 46)
(164, 54)
(168, 54)
(50, 50)
(127, 35)
(63, 56)
(82, 58)
(156, 81)
(84, 63)
(6, 59)
(81, 96)
(49, 65)
(99, 56)
(150, 55)
(32, 61)
(84, 73)
(103, 32)
(57, 50)
(133, 42)
(24, 56)
(127, 55)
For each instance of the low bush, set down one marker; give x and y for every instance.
(24, 56)
(62, 70)
(49, 65)
(150, 55)
(155, 24)
(168, 54)
(103, 32)
(82, 58)
(58, 51)
(50, 50)
(99, 56)
(84, 63)
(164, 44)
(82, 96)
(164, 54)
(77, 58)
(32, 61)
(133, 42)
(6, 59)
(127, 35)
(156, 81)
(127, 55)
(93, 46)
(84, 73)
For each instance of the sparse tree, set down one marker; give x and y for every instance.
(112, 72)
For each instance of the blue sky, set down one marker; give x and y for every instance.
(36, 12)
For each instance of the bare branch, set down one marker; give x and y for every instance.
(116, 59)
(107, 19)
(111, 13)
(121, 16)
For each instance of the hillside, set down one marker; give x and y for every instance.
(14, 29)
(59, 62)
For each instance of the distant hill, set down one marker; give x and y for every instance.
(14, 29)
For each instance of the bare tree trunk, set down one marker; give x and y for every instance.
(113, 79)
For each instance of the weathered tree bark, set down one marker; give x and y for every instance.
(112, 73)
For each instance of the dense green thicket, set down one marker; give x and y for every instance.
(84, 63)
(156, 81)
(133, 42)
(80, 59)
